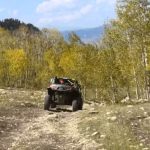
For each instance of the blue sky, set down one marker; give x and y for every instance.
(61, 14)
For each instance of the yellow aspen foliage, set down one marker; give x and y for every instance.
(17, 62)
(69, 61)
(51, 60)
(49, 57)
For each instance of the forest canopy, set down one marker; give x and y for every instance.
(117, 67)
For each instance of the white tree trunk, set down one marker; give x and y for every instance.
(84, 93)
(113, 87)
(96, 93)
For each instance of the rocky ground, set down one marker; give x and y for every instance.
(24, 125)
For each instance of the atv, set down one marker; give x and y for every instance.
(63, 91)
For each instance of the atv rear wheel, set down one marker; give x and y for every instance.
(75, 105)
(80, 105)
(53, 105)
(47, 102)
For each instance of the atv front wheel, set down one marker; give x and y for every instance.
(47, 102)
(75, 105)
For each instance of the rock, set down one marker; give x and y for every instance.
(53, 116)
(93, 112)
(32, 97)
(133, 146)
(141, 144)
(95, 133)
(100, 145)
(139, 117)
(145, 113)
(108, 113)
(88, 128)
(22, 104)
(103, 136)
(141, 108)
(146, 148)
(2, 91)
(140, 120)
(148, 118)
(142, 100)
(129, 112)
(11, 99)
(92, 108)
(92, 105)
(143, 140)
(125, 100)
(130, 106)
(114, 118)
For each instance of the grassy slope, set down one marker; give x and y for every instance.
(118, 127)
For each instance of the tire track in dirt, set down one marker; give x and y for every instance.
(52, 131)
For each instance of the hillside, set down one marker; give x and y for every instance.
(24, 125)
(14, 24)
(87, 35)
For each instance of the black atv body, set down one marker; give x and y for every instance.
(66, 93)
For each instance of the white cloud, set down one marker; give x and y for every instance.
(50, 5)
(62, 11)
(86, 9)
(67, 17)
(77, 13)
(68, 11)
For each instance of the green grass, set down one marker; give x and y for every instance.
(16, 108)
(117, 127)
(21, 98)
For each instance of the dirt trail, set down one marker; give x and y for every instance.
(52, 131)
(24, 125)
